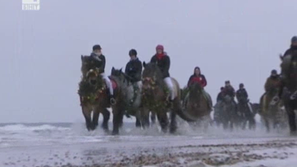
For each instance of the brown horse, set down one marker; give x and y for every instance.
(154, 95)
(289, 85)
(270, 109)
(93, 99)
(196, 103)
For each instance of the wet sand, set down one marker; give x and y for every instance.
(163, 152)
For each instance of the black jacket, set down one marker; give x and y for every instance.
(220, 97)
(133, 70)
(163, 64)
(99, 61)
(241, 95)
(290, 50)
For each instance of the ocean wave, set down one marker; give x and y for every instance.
(22, 127)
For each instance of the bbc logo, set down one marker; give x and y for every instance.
(30, 4)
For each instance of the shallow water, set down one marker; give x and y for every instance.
(57, 144)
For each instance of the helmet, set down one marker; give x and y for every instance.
(294, 39)
(241, 85)
(227, 82)
(273, 72)
(161, 47)
(132, 52)
(97, 47)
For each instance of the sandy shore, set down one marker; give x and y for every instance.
(167, 152)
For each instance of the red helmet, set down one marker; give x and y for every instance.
(160, 47)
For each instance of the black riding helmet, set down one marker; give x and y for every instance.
(97, 47)
(132, 52)
(241, 85)
(294, 39)
(273, 72)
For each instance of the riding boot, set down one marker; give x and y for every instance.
(135, 92)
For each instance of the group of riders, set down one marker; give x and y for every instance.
(134, 72)
(134, 67)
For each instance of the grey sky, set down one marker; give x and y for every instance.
(40, 50)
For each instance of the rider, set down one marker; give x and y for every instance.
(220, 95)
(229, 90)
(100, 62)
(293, 46)
(241, 94)
(197, 77)
(163, 61)
(133, 71)
(272, 82)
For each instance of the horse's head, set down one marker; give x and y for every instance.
(195, 87)
(227, 99)
(93, 77)
(151, 76)
(90, 85)
(119, 75)
(289, 70)
(86, 64)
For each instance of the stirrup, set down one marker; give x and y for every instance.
(112, 101)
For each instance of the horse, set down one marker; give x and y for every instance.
(196, 103)
(289, 73)
(93, 99)
(247, 114)
(127, 92)
(229, 115)
(154, 95)
(269, 109)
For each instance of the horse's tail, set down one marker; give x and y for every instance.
(184, 115)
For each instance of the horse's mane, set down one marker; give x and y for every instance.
(195, 90)
(86, 64)
(118, 74)
(152, 69)
(289, 69)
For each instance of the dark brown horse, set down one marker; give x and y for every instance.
(93, 99)
(196, 103)
(154, 95)
(289, 87)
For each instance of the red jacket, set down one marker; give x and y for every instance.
(197, 79)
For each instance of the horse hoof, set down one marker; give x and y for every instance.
(114, 133)
(293, 133)
(173, 130)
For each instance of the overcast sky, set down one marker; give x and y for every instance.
(40, 50)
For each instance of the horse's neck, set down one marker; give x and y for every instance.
(196, 94)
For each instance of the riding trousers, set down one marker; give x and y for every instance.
(169, 84)
(108, 83)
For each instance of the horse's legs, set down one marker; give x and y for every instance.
(267, 124)
(163, 120)
(292, 119)
(117, 120)
(106, 116)
(96, 117)
(153, 117)
(252, 122)
(87, 110)
(137, 123)
(173, 125)
(143, 117)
